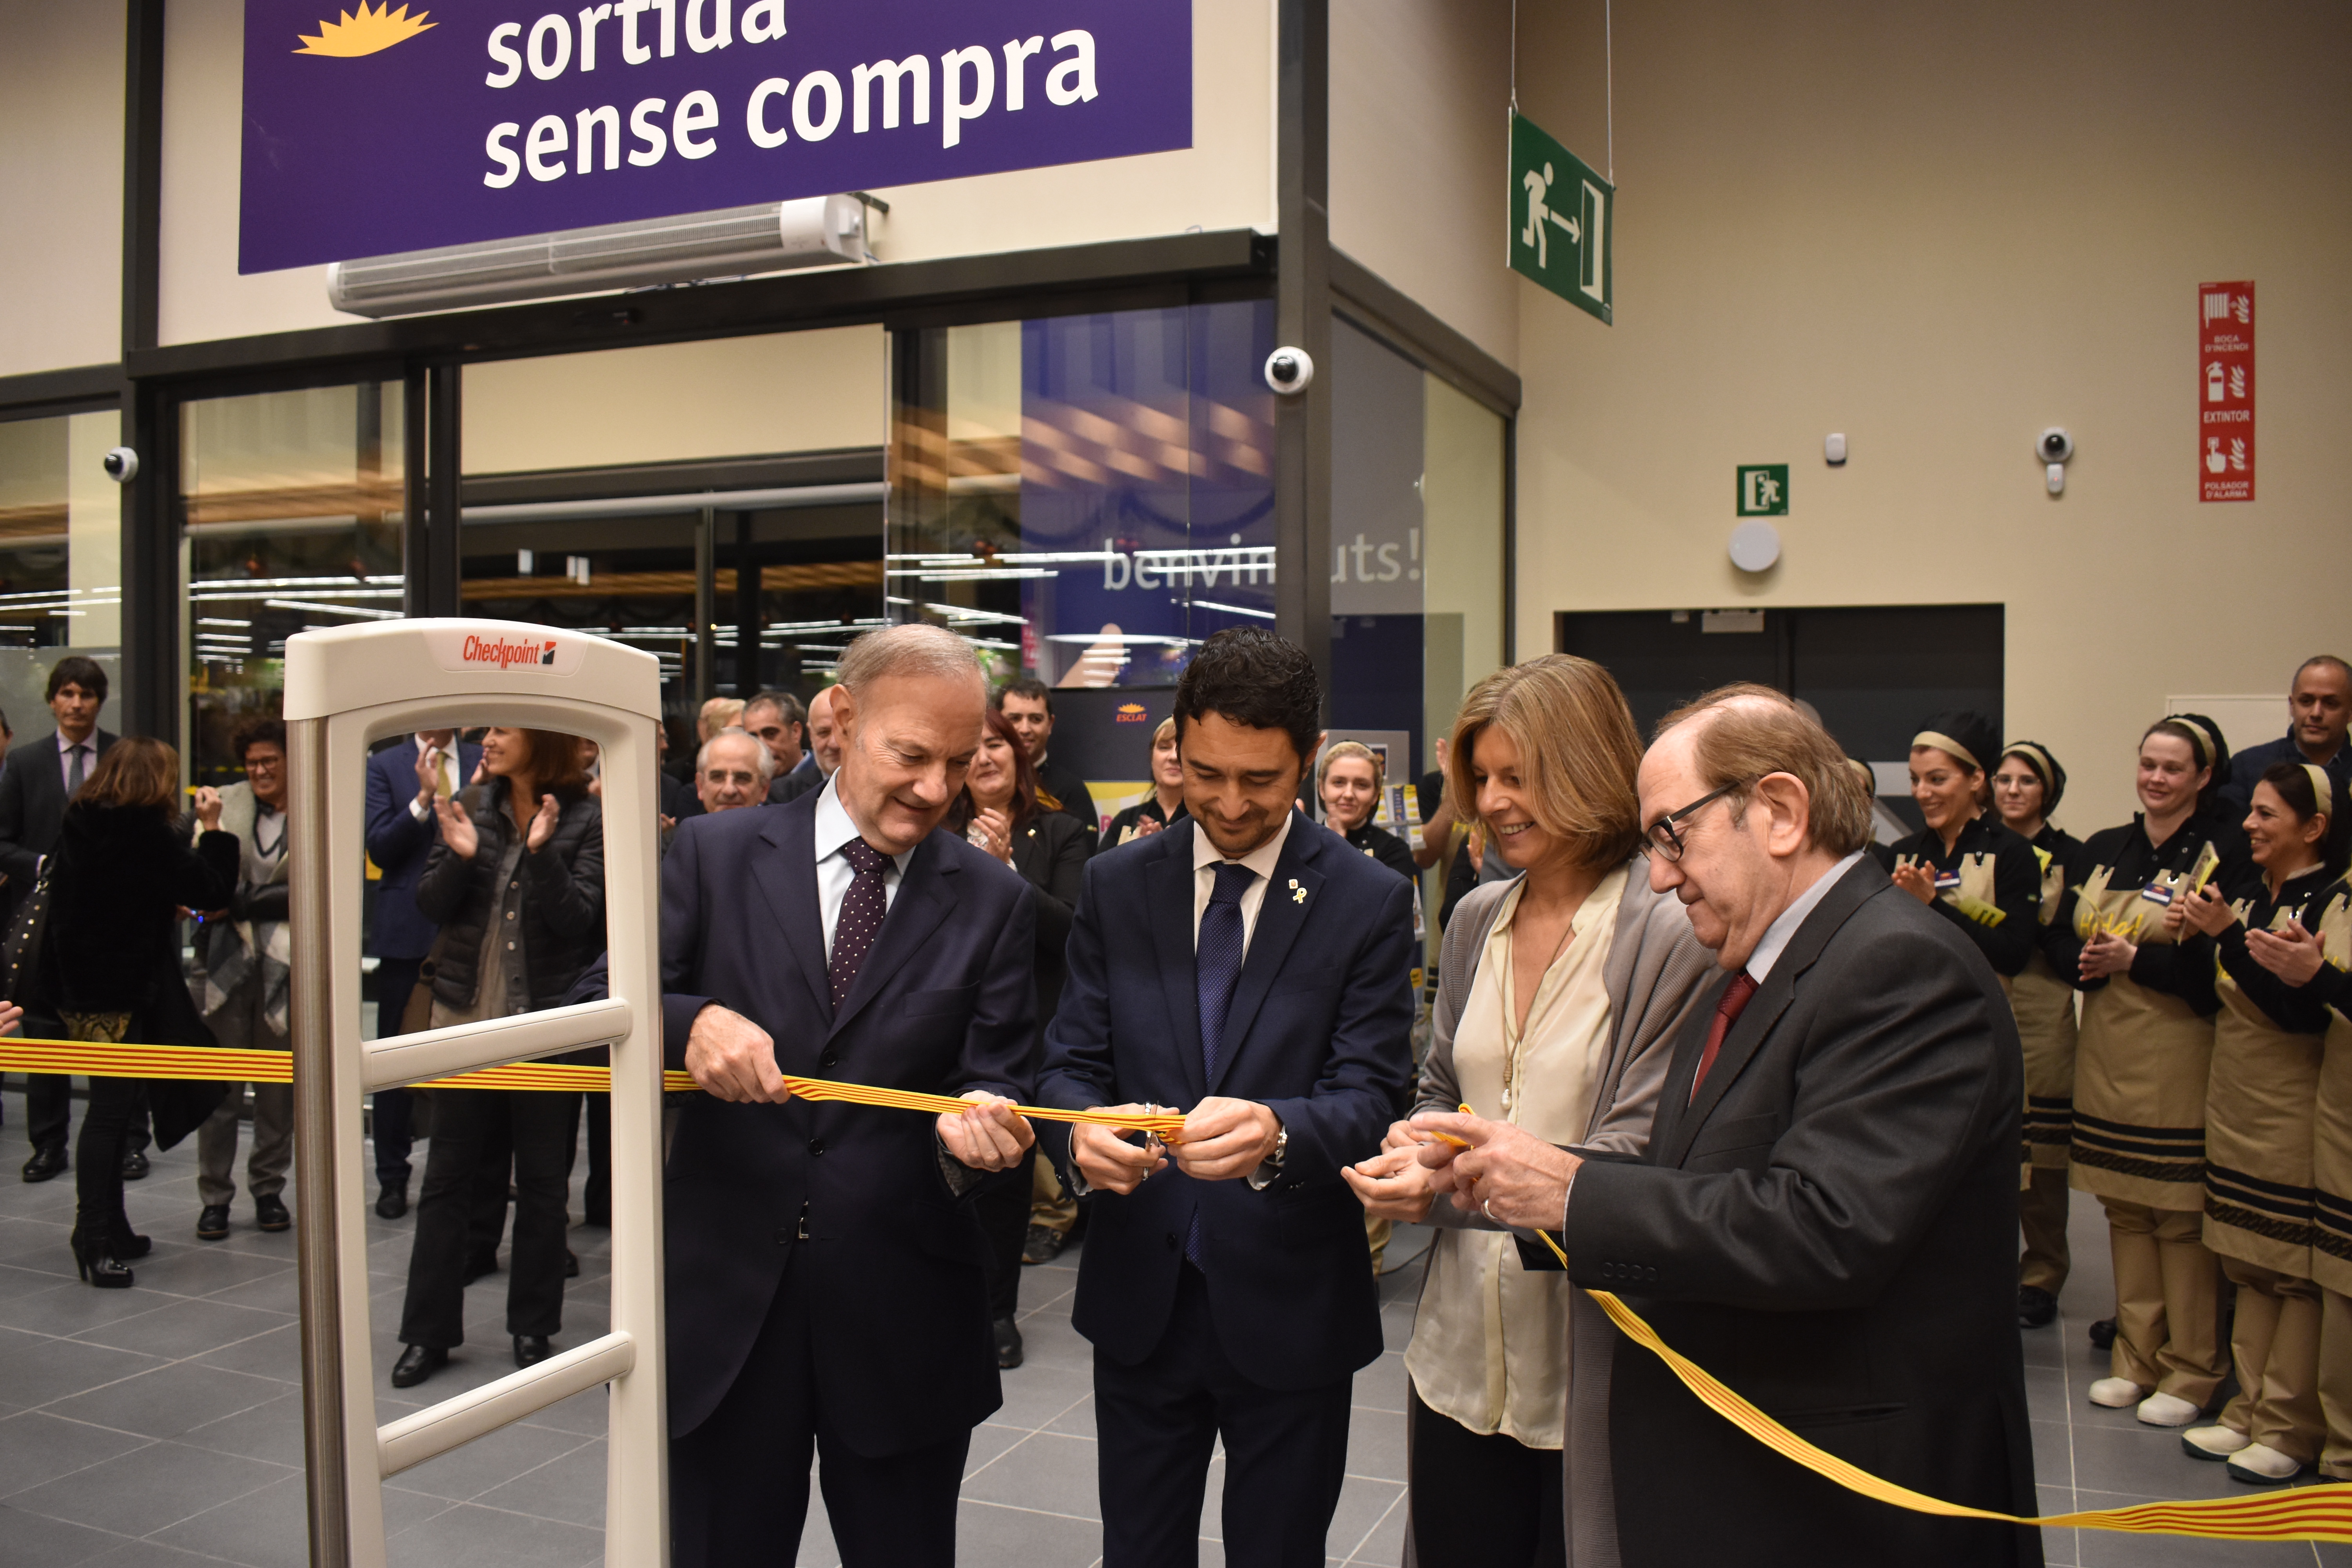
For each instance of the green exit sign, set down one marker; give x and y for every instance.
(1764, 489)
(1560, 221)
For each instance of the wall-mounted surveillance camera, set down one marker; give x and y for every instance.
(1289, 371)
(2055, 449)
(121, 465)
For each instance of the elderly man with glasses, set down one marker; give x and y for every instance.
(1825, 1216)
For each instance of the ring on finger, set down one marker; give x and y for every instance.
(1487, 1207)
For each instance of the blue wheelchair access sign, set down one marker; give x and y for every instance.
(1560, 220)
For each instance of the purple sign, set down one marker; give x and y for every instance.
(389, 128)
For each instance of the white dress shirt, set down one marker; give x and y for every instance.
(417, 808)
(1206, 859)
(1775, 939)
(87, 746)
(833, 872)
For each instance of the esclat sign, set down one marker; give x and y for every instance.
(385, 129)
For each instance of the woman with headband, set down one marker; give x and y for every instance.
(1963, 865)
(2315, 956)
(2142, 1065)
(2026, 788)
(2259, 1128)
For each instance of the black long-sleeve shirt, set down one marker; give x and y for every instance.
(2183, 969)
(2296, 1008)
(2005, 935)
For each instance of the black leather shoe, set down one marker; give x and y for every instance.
(481, 1263)
(532, 1349)
(2036, 1307)
(1042, 1244)
(417, 1364)
(96, 1263)
(212, 1222)
(571, 1264)
(1008, 1343)
(134, 1165)
(45, 1163)
(270, 1213)
(393, 1201)
(2103, 1334)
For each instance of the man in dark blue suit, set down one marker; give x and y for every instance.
(403, 780)
(1247, 964)
(827, 1276)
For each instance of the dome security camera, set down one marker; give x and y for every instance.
(2055, 445)
(121, 465)
(1289, 371)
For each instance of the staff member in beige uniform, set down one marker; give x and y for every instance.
(2315, 956)
(2258, 1132)
(1966, 866)
(2026, 788)
(1559, 993)
(2141, 1068)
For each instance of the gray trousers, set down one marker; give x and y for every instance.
(238, 1024)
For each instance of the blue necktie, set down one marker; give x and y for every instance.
(1217, 963)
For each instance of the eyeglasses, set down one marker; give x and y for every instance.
(1664, 842)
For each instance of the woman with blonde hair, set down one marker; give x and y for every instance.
(1559, 994)
(1164, 805)
(1348, 781)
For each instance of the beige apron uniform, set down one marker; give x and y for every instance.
(2141, 1072)
(2331, 1174)
(2044, 1006)
(2258, 1161)
(1972, 895)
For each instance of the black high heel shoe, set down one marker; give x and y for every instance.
(97, 1264)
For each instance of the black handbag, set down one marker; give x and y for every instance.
(20, 955)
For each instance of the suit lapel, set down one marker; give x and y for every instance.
(1167, 893)
(926, 898)
(787, 882)
(1763, 1010)
(1289, 893)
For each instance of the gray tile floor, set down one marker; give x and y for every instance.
(160, 1424)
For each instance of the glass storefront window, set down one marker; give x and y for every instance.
(291, 505)
(60, 556)
(1087, 498)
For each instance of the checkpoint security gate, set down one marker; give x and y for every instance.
(347, 687)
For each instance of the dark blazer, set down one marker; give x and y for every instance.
(562, 923)
(32, 805)
(1068, 786)
(397, 843)
(1319, 1032)
(1050, 853)
(1831, 1229)
(796, 781)
(896, 1257)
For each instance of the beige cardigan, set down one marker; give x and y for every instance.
(1655, 972)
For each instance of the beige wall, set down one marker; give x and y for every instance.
(1224, 181)
(1419, 143)
(788, 391)
(1938, 230)
(61, 185)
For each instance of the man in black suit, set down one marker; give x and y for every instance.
(1027, 705)
(1249, 964)
(1826, 1217)
(776, 718)
(827, 1275)
(33, 787)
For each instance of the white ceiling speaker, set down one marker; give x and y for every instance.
(1754, 545)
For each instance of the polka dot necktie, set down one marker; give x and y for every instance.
(862, 908)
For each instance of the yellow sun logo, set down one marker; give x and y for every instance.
(372, 29)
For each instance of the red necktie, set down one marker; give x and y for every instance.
(1727, 1013)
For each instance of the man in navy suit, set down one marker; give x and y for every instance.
(1247, 964)
(827, 1276)
(402, 781)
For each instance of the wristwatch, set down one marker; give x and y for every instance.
(1281, 1147)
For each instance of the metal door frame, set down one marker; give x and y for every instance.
(345, 687)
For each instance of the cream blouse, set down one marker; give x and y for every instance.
(1490, 1341)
